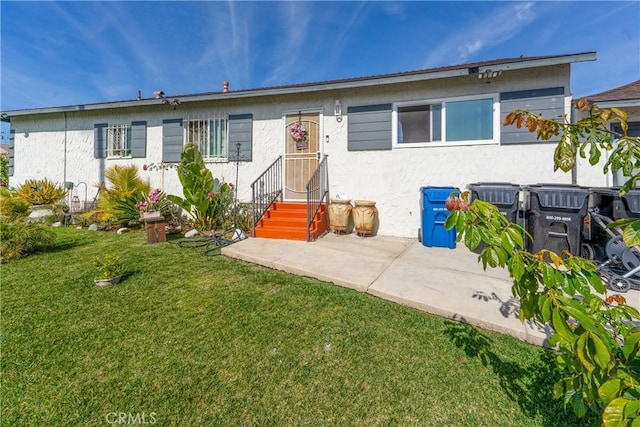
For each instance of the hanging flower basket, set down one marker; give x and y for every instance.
(300, 135)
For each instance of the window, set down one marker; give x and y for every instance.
(118, 141)
(210, 135)
(442, 122)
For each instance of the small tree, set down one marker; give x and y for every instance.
(598, 346)
(206, 200)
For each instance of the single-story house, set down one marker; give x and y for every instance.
(383, 137)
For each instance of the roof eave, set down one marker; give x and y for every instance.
(306, 88)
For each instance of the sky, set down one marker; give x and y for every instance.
(82, 52)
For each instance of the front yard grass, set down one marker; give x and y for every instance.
(192, 340)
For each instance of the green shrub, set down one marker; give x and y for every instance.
(40, 192)
(117, 202)
(18, 238)
(109, 265)
(11, 206)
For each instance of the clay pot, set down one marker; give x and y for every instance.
(339, 215)
(364, 216)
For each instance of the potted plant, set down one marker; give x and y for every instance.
(110, 269)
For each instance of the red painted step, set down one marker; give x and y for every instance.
(288, 220)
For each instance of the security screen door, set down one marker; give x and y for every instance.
(301, 154)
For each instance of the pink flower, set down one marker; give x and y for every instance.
(212, 194)
(145, 167)
(141, 205)
(231, 185)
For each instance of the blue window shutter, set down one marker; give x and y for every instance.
(139, 139)
(548, 102)
(240, 131)
(172, 140)
(12, 142)
(100, 140)
(369, 127)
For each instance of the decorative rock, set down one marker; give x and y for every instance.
(192, 233)
(93, 227)
(79, 227)
(57, 224)
(122, 230)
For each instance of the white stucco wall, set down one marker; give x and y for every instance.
(392, 178)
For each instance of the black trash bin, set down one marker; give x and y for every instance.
(505, 196)
(555, 217)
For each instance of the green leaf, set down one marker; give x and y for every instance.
(452, 220)
(631, 340)
(516, 266)
(578, 405)
(631, 233)
(594, 154)
(614, 412)
(610, 390)
(561, 327)
(564, 155)
(632, 409)
(472, 238)
(582, 352)
(515, 236)
(602, 354)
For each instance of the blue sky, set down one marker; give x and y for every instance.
(64, 53)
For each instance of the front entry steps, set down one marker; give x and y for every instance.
(288, 220)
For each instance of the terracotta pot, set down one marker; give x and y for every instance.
(364, 216)
(339, 215)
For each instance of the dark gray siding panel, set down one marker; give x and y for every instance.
(241, 131)
(551, 106)
(171, 140)
(532, 93)
(100, 140)
(139, 139)
(12, 146)
(369, 127)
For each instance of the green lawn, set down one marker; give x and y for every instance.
(192, 340)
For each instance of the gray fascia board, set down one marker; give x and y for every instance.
(303, 88)
(567, 59)
(624, 103)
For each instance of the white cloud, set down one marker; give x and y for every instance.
(498, 25)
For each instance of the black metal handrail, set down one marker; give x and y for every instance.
(266, 189)
(317, 191)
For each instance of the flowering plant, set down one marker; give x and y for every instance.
(298, 132)
(154, 201)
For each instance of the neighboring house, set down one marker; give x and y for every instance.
(385, 136)
(627, 99)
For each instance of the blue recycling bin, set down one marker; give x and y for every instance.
(434, 215)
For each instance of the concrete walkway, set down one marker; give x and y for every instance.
(447, 282)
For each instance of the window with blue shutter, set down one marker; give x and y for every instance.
(369, 127)
(100, 140)
(139, 139)
(12, 142)
(240, 132)
(172, 136)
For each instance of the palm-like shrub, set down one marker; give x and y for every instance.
(41, 192)
(117, 202)
(18, 238)
(11, 206)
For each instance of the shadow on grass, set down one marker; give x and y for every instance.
(530, 386)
